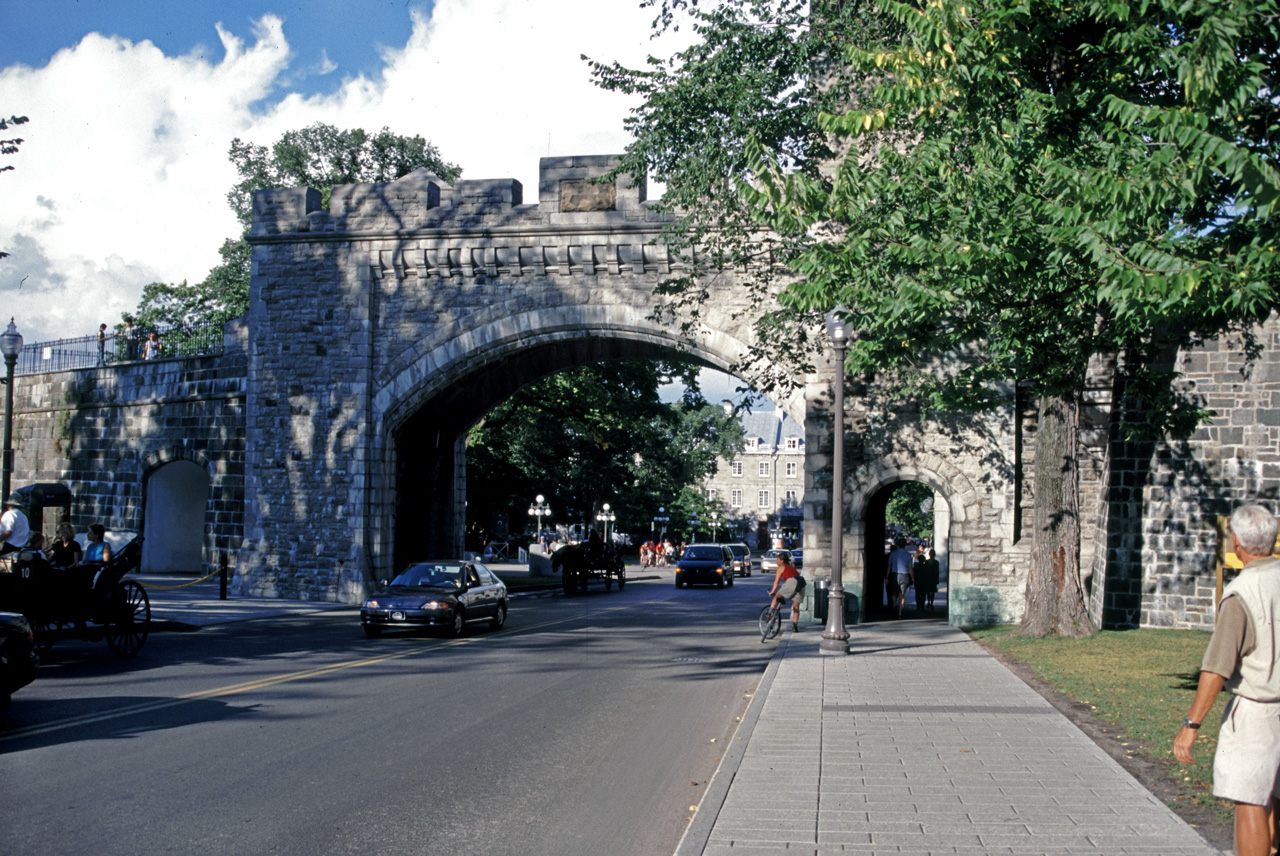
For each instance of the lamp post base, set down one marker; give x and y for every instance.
(835, 638)
(833, 647)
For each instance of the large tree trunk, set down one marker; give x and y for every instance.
(1055, 596)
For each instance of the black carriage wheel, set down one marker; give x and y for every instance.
(608, 582)
(130, 619)
(622, 580)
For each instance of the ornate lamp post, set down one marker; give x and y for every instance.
(606, 516)
(694, 523)
(715, 524)
(661, 519)
(835, 638)
(540, 509)
(10, 346)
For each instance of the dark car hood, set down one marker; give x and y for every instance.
(395, 594)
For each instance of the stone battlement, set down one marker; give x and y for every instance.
(569, 194)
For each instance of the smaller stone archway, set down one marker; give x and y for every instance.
(173, 528)
(869, 488)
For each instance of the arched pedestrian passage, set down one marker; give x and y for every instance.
(876, 546)
(177, 494)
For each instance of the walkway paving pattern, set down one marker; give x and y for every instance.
(919, 742)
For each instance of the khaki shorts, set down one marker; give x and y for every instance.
(1248, 756)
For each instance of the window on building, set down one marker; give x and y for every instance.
(736, 498)
(791, 499)
(711, 494)
(793, 469)
(764, 469)
(762, 499)
(736, 468)
(793, 444)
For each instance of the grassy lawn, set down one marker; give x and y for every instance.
(1142, 681)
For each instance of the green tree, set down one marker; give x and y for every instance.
(1036, 185)
(10, 146)
(760, 70)
(905, 509)
(319, 156)
(594, 434)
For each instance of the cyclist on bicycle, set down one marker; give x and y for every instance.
(788, 584)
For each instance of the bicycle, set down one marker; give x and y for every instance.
(770, 622)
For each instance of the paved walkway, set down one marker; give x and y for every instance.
(919, 742)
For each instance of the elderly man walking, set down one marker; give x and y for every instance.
(1244, 656)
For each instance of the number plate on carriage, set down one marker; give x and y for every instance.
(397, 616)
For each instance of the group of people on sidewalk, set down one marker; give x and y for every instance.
(909, 570)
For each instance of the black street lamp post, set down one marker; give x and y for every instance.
(11, 347)
(606, 516)
(661, 519)
(835, 638)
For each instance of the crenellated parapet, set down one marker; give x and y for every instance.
(571, 195)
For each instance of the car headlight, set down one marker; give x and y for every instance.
(435, 604)
(370, 604)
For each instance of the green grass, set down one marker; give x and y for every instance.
(1142, 681)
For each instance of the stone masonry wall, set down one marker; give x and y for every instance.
(104, 431)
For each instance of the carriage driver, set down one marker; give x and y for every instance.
(15, 531)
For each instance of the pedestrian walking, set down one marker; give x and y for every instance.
(1243, 656)
(899, 575)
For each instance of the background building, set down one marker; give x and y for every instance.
(762, 489)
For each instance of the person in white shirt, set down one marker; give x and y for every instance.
(15, 531)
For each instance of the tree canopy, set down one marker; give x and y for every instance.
(1026, 185)
(594, 434)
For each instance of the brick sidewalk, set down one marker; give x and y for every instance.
(920, 743)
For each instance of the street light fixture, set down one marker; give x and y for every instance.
(661, 519)
(540, 509)
(835, 638)
(10, 346)
(694, 523)
(606, 516)
(715, 524)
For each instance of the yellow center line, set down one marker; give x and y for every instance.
(274, 680)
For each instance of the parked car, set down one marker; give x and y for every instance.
(445, 595)
(705, 563)
(741, 559)
(18, 660)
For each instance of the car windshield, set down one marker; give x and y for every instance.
(703, 553)
(426, 574)
(738, 551)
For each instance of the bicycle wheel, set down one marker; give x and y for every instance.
(770, 623)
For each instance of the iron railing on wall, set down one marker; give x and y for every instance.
(83, 352)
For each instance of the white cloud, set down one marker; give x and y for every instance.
(123, 176)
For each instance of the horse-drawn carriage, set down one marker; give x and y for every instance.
(578, 564)
(89, 602)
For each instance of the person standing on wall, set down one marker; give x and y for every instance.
(1243, 656)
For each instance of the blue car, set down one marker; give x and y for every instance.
(709, 564)
(442, 595)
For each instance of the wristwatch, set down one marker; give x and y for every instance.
(1187, 723)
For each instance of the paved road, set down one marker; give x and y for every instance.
(589, 725)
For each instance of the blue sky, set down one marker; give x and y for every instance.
(331, 40)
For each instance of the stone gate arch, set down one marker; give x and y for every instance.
(867, 487)
(448, 388)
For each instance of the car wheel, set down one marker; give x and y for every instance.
(372, 632)
(679, 582)
(500, 617)
(720, 582)
(459, 622)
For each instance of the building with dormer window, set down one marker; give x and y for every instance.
(761, 491)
